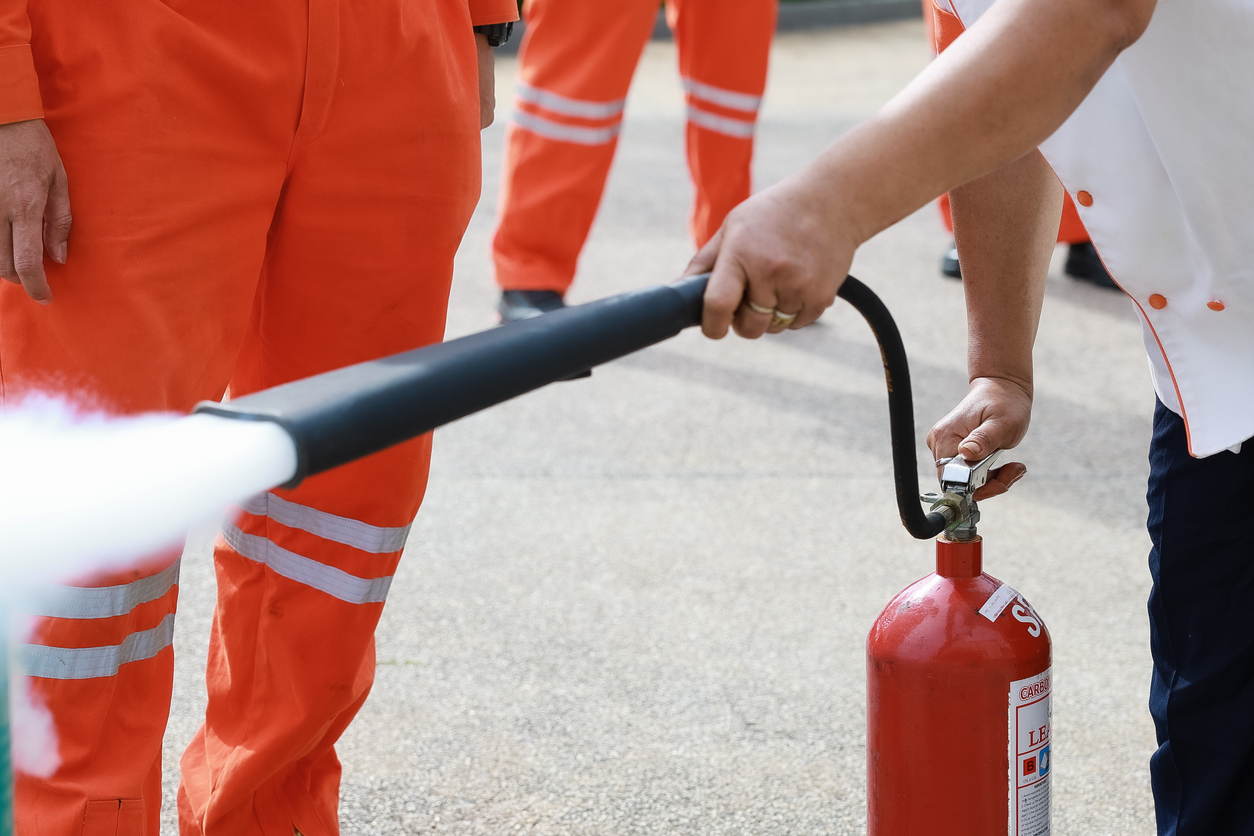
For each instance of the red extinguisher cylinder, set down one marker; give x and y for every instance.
(958, 728)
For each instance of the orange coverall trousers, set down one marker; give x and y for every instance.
(576, 64)
(261, 191)
(944, 27)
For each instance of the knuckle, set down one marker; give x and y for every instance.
(25, 202)
(26, 265)
(62, 222)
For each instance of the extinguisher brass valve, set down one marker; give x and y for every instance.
(960, 479)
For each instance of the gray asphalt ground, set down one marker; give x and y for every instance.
(638, 603)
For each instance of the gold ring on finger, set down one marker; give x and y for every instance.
(756, 308)
(778, 318)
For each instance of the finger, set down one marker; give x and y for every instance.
(28, 249)
(751, 322)
(820, 296)
(943, 439)
(703, 261)
(6, 254)
(785, 317)
(57, 219)
(1000, 480)
(723, 295)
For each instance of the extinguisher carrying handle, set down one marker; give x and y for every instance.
(922, 525)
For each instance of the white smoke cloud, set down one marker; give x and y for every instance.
(83, 493)
(34, 732)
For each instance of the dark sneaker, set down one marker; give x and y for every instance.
(1083, 264)
(949, 263)
(525, 304)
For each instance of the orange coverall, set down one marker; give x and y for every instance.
(261, 192)
(944, 27)
(576, 64)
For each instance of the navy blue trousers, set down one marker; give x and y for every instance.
(1201, 608)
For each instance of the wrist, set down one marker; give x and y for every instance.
(1003, 381)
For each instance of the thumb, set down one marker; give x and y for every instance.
(993, 434)
(703, 261)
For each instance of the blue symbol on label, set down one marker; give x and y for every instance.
(1042, 767)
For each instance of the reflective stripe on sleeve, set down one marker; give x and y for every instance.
(722, 97)
(720, 124)
(93, 662)
(334, 582)
(369, 538)
(567, 106)
(104, 601)
(564, 133)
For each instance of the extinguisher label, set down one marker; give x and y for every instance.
(1029, 755)
(997, 602)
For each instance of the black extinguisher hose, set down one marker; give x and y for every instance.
(920, 524)
(346, 414)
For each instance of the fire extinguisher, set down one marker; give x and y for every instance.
(958, 693)
(958, 665)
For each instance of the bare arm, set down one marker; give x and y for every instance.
(1006, 224)
(996, 93)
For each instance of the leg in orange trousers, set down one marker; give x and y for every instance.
(575, 67)
(261, 192)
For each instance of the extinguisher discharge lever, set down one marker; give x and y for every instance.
(960, 479)
(964, 477)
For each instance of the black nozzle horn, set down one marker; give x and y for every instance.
(349, 413)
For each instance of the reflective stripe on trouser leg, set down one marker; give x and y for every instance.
(562, 137)
(724, 47)
(101, 659)
(92, 662)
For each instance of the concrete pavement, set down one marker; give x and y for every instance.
(638, 603)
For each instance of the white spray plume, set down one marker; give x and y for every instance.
(33, 733)
(81, 494)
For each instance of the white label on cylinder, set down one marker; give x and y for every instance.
(1029, 756)
(997, 602)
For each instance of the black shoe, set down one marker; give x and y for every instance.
(516, 305)
(949, 263)
(1083, 264)
(524, 304)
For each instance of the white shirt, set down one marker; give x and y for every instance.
(1160, 162)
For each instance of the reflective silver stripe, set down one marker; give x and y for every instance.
(92, 662)
(334, 582)
(369, 538)
(567, 106)
(564, 133)
(722, 97)
(104, 601)
(720, 124)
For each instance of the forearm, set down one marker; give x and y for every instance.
(1006, 224)
(995, 94)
